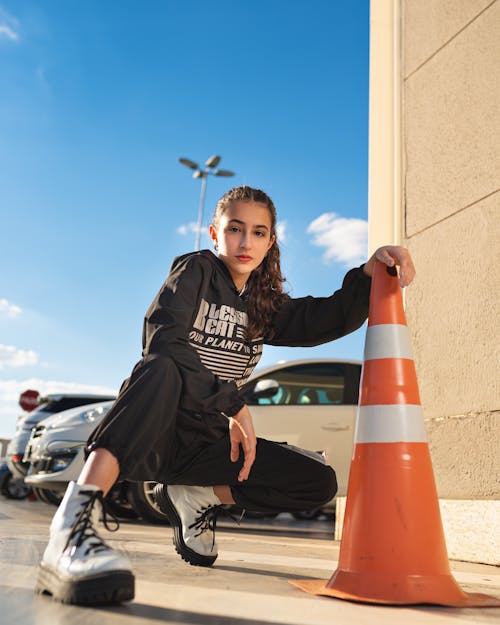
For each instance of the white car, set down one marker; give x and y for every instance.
(52, 404)
(307, 403)
(313, 406)
(55, 455)
(55, 450)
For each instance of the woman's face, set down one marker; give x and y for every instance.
(243, 238)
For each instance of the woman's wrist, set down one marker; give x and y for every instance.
(368, 267)
(234, 409)
(241, 413)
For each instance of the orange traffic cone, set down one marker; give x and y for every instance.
(393, 549)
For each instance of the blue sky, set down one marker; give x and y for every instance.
(98, 101)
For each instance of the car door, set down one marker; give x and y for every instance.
(314, 407)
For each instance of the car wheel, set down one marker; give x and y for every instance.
(15, 488)
(48, 496)
(142, 498)
(307, 515)
(117, 502)
(38, 493)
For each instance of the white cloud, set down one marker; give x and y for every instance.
(9, 26)
(10, 390)
(189, 228)
(281, 231)
(10, 356)
(345, 239)
(7, 31)
(41, 77)
(9, 309)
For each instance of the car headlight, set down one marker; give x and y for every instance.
(58, 463)
(89, 416)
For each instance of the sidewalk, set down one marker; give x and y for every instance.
(247, 586)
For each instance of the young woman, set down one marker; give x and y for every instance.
(179, 419)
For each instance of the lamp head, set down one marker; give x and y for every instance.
(213, 161)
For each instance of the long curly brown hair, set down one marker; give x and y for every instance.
(264, 288)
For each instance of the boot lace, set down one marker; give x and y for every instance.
(83, 530)
(207, 519)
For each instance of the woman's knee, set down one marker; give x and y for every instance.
(326, 485)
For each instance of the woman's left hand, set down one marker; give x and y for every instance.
(393, 255)
(241, 432)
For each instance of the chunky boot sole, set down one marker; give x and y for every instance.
(167, 507)
(101, 589)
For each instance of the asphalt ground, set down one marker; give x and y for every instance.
(248, 584)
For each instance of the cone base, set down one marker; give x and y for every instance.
(407, 590)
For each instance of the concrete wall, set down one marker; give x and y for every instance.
(451, 209)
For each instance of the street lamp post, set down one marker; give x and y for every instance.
(210, 169)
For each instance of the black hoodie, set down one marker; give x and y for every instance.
(199, 319)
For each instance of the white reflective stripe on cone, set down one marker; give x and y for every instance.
(388, 340)
(390, 423)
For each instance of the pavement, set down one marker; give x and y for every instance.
(248, 584)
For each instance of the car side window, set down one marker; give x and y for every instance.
(314, 384)
(282, 396)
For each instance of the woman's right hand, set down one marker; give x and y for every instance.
(393, 255)
(241, 432)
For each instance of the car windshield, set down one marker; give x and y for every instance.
(65, 403)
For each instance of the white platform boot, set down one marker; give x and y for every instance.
(77, 565)
(192, 511)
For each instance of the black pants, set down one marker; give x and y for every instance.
(154, 439)
(280, 479)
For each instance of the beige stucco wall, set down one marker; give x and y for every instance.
(451, 209)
